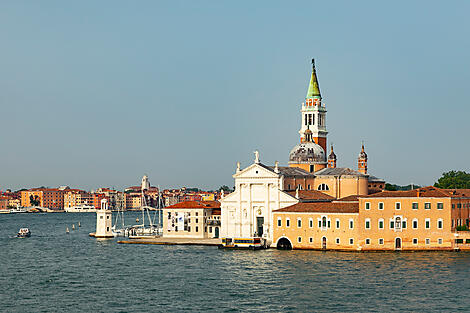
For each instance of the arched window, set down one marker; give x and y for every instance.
(323, 222)
(323, 187)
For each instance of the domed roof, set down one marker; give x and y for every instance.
(307, 152)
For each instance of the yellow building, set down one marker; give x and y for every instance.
(423, 219)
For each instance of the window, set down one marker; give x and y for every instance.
(299, 222)
(392, 224)
(311, 169)
(351, 241)
(299, 186)
(427, 223)
(279, 222)
(427, 206)
(459, 205)
(367, 223)
(323, 187)
(381, 223)
(403, 224)
(189, 228)
(439, 241)
(310, 223)
(337, 241)
(197, 229)
(414, 223)
(337, 223)
(458, 240)
(210, 229)
(415, 241)
(381, 205)
(197, 221)
(467, 240)
(287, 222)
(299, 239)
(288, 187)
(439, 223)
(397, 206)
(310, 239)
(367, 241)
(440, 206)
(329, 224)
(308, 186)
(381, 241)
(323, 222)
(319, 223)
(453, 206)
(427, 241)
(415, 206)
(351, 224)
(367, 205)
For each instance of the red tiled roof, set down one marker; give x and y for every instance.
(311, 195)
(322, 207)
(195, 205)
(349, 198)
(425, 192)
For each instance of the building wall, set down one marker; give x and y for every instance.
(195, 223)
(408, 214)
(25, 197)
(338, 187)
(311, 234)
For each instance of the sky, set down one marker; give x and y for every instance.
(99, 93)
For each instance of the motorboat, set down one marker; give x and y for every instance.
(84, 208)
(23, 233)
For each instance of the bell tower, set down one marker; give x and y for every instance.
(362, 161)
(314, 112)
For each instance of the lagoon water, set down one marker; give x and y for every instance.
(56, 272)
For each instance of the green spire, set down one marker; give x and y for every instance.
(313, 87)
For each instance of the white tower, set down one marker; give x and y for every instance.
(145, 183)
(103, 221)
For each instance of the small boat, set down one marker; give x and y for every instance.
(84, 208)
(67, 230)
(253, 243)
(23, 233)
(5, 211)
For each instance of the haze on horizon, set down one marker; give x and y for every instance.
(97, 94)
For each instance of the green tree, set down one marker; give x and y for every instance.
(224, 188)
(454, 180)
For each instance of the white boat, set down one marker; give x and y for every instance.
(84, 208)
(5, 211)
(23, 233)
(19, 210)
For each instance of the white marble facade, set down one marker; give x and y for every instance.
(247, 212)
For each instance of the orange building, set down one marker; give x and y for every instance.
(423, 219)
(44, 197)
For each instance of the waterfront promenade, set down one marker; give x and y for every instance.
(174, 241)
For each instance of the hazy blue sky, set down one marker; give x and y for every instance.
(97, 93)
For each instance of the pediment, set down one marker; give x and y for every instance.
(256, 170)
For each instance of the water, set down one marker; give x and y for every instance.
(55, 272)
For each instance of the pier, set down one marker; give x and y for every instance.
(174, 241)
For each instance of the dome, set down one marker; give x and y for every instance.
(307, 152)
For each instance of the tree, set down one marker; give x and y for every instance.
(224, 188)
(454, 180)
(34, 200)
(393, 187)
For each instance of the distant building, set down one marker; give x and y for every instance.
(192, 219)
(50, 198)
(77, 197)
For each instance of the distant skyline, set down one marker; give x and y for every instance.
(97, 94)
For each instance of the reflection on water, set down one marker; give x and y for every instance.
(54, 271)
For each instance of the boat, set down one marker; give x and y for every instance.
(23, 233)
(19, 210)
(5, 211)
(253, 243)
(83, 208)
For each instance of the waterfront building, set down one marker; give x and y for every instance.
(192, 219)
(261, 189)
(51, 198)
(77, 197)
(423, 219)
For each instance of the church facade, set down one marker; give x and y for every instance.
(311, 175)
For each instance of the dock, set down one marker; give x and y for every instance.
(174, 241)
